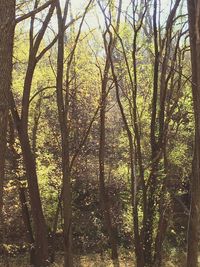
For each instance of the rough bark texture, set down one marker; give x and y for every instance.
(7, 25)
(193, 236)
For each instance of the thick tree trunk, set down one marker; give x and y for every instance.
(7, 25)
(193, 228)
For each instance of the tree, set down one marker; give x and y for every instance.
(63, 117)
(149, 193)
(7, 22)
(21, 123)
(104, 198)
(100, 143)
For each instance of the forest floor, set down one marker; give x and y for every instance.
(93, 260)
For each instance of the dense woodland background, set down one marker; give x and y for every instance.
(99, 133)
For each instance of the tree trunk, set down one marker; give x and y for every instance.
(22, 191)
(39, 225)
(151, 212)
(160, 236)
(41, 242)
(139, 252)
(63, 112)
(7, 25)
(27, 223)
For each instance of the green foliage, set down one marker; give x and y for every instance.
(135, 77)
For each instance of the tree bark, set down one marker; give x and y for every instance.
(41, 242)
(7, 26)
(39, 224)
(22, 191)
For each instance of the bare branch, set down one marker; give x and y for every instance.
(35, 11)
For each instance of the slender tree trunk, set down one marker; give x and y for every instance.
(164, 215)
(54, 229)
(22, 192)
(63, 113)
(27, 223)
(139, 253)
(39, 224)
(161, 232)
(41, 242)
(148, 227)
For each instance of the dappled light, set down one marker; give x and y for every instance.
(99, 133)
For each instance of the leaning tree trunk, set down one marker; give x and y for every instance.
(7, 25)
(40, 231)
(22, 191)
(194, 28)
